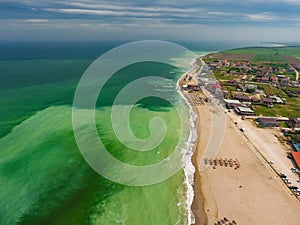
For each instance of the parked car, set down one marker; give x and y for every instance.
(293, 187)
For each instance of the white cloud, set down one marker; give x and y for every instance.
(100, 12)
(119, 7)
(220, 13)
(261, 17)
(35, 20)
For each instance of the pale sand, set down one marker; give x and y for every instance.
(252, 194)
(203, 132)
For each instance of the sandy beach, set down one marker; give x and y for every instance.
(239, 187)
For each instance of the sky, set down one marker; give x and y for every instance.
(250, 20)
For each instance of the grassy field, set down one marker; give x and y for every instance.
(290, 109)
(271, 90)
(261, 54)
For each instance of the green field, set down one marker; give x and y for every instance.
(263, 54)
(291, 109)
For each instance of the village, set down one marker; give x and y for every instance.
(254, 89)
(253, 93)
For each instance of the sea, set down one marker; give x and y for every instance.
(44, 179)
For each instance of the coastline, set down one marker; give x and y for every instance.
(193, 195)
(220, 192)
(188, 167)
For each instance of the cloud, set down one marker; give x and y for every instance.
(261, 17)
(35, 20)
(132, 8)
(220, 13)
(149, 16)
(100, 12)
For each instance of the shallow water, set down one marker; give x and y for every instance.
(44, 180)
(43, 177)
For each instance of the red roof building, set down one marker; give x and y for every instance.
(296, 156)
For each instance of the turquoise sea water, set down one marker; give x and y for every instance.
(43, 177)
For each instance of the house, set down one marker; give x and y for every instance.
(285, 81)
(259, 92)
(291, 69)
(280, 77)
(274, 79)
(277, 100)
(268, 122)
(255, 100)
(265, 79)
(267, 101)
(293, 123)
(250, 86)
(240, 87)
(242, 98)
(214, 86)
(244, 111)
(232, 104)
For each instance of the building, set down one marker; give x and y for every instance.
(274, 79)
(244, 111)
(297, 146)
(296, 157)
(265, 79)
(267, 101)
(277, 100)
(231, 104)
(242, 98)
(250, 86)
(255, 100)
(268, 122)
(285, 81)
(294, 123)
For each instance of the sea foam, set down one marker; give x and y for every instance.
(188, 151)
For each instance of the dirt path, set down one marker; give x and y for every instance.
(297, 75)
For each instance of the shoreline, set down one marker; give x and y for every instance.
(188, 166)
(190, 158)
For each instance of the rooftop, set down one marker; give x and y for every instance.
(295, 120)
(244, 109)
(297, 146)
(296, 156)
(268, 121)
(231, 101)
(242, 97)
(268, 100)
